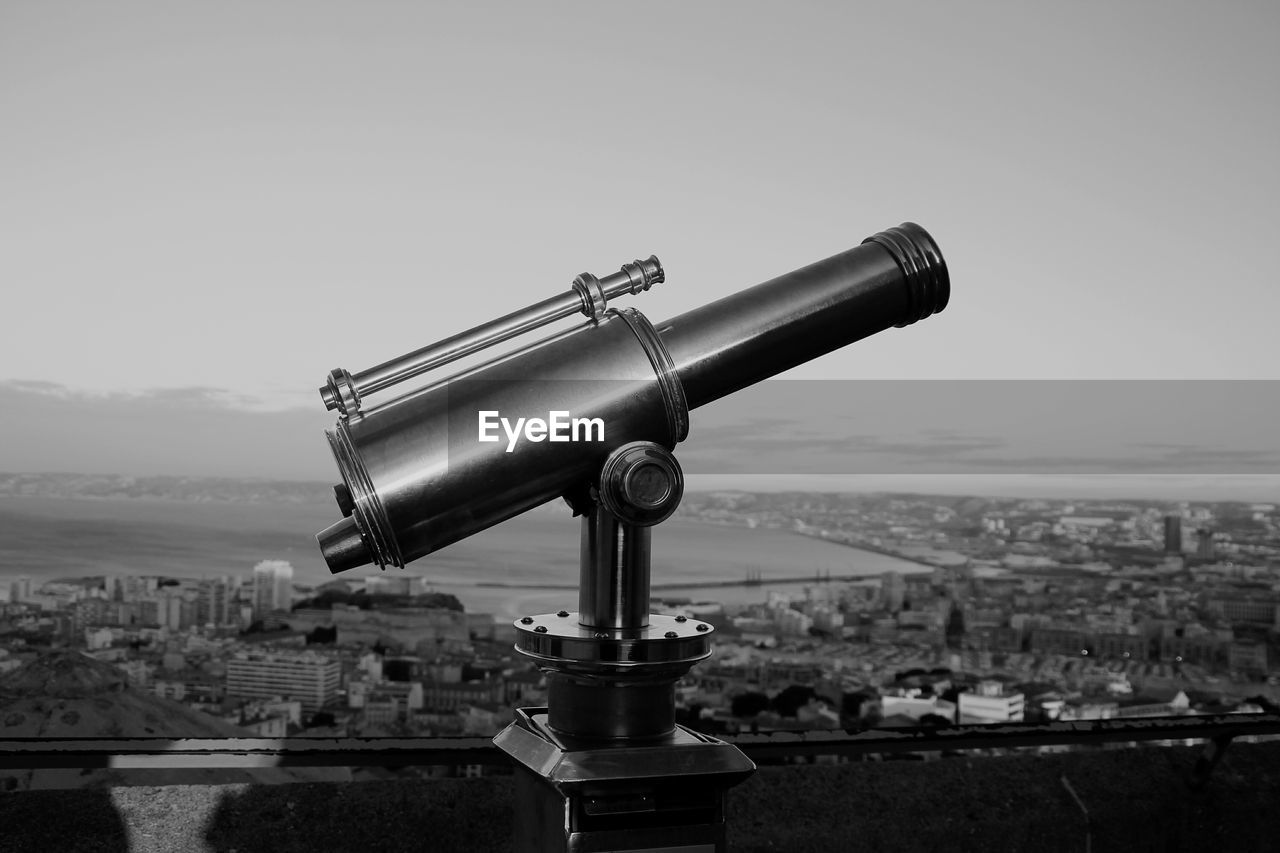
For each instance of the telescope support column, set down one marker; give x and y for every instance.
(613, 591)
(604, 766)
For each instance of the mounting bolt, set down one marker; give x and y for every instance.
(563, 613)
(702, 626)
(682, 618)
(527, 620)
(671, 635)
(541, 629)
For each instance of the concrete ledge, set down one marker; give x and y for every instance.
(1138, 799)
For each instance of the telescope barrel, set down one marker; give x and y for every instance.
(417, 476)
(894, 278)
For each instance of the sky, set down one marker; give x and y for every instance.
(206, 207)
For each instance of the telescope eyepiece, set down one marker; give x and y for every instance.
(343, 546)
(644, 274)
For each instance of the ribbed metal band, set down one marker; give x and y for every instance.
(664, 368)
(592, 295)
(925, 272)
(369, 513)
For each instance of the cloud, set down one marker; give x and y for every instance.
(779, 445)
(189, 397)
(798, 428)
(193, 430)
(33, 386)
(856, 427)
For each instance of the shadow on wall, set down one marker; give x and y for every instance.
(464, 814)
(39, 822)
(1136, 799)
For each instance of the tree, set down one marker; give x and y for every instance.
(1265, 704)
(933, 721)
(323, 635)
(851, 704)
(792, 699)
(322, 718)
(749, 704)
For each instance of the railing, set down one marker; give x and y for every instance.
(1097, 800)
(169, 753)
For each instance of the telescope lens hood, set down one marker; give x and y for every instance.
(924, 271)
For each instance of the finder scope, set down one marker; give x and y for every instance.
(419, 473)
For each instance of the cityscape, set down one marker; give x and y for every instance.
(917, 364)
(1006, 610)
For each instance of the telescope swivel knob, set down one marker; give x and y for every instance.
(641, 483)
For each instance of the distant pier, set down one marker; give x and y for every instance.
(873, 549)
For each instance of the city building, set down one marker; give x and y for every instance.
(310, 678)
(1172, 534)
(1060, 641)
(391, 702)
(1204, 543)
(990, 703)
(1201, 649)
(893, 589)
(955, 626)
(1122, 646)
(1247, 656)
(1080, 708)
(916, 707)
(1261, 609)
(1172, 705)
(432, 628)
(176, 612)
(450, 696)
(272, 587)
(215, 603)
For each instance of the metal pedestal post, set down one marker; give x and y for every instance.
(604, 767)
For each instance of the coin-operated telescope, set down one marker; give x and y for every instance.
(592, 415)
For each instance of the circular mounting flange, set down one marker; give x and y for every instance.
(569, 646)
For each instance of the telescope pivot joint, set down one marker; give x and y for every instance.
(641, 483)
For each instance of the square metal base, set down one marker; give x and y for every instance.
(665, 794)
